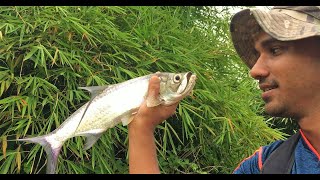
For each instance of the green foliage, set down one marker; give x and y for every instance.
(46, 53)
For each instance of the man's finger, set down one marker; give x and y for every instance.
(153, 92)
(154, 86)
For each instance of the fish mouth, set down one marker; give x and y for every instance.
(188, 75)
(191, 81)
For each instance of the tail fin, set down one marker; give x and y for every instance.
(52, 148)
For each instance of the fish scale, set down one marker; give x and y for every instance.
(112, 104)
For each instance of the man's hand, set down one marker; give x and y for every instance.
(142, 146)
(150, 117)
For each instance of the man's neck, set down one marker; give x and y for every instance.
(311, 129)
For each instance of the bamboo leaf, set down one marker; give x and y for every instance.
(2, 88)
(18, 159)
(22, 33)
(4, 146)
(9, 99)
(6, 164)
(33, 50)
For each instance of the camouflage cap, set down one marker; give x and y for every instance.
(284, 23)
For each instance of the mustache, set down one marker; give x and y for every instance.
(270, 82)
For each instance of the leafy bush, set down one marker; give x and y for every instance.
(46, 53)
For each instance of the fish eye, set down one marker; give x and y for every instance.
(177, 78)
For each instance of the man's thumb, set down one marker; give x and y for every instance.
(153, 92)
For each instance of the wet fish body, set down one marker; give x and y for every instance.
(109, 106)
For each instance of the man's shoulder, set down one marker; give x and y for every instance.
(253, 163)
(268, 149)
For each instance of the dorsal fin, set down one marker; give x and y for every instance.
(95, 90)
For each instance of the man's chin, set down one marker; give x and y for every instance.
(272, 110)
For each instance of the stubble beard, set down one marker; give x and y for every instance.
(279, 110)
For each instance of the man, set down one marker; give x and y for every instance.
(282, 49)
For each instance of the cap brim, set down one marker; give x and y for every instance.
(249, 22)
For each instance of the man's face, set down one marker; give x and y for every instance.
(288, 74)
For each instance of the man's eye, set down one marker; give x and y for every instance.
(275, 51)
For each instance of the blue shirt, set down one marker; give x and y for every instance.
(307, 160)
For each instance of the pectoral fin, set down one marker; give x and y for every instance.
(153, 101)
(127, 119)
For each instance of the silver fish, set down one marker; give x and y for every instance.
(109, 106)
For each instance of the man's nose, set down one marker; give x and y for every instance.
(259, 69)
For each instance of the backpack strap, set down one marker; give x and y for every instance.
(281, 160)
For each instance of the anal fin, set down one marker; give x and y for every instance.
(91, 139)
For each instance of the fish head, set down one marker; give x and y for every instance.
(175, 86)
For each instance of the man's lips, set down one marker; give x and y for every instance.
(267, 87)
